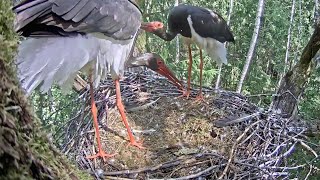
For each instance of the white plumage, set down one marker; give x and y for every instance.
(58, 59)
(215, 49)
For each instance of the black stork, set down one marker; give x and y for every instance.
(204, 27)
(92, 36)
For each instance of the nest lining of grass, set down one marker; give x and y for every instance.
(224, 137)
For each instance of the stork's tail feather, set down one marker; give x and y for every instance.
(30, 10)
(216, 50)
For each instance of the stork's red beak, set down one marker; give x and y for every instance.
(156, 63)
(166, 72)
(144, 25)
(147, 27)
(151, 26)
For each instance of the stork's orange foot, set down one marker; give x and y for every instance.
(185, 93)
(199, 97)
(101, 154)
(137, 144)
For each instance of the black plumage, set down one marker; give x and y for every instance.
(206, 23)
(117, 19)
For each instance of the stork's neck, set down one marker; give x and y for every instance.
(165, 35)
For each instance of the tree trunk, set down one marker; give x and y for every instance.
(253, 44)
(288, 43)
(295, 59)
(293, 83)
(225, 44)
(25, 151)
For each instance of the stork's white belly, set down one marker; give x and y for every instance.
(43, 61)
(215, 49)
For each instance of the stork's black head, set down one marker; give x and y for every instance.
(156, 63)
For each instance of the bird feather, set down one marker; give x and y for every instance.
(43, 61)
(212, 47)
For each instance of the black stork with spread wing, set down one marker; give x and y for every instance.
(202, 26)
(92, 36)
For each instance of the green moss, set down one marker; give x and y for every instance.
(25, 151)
(8, 38)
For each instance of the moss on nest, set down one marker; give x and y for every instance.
(25, 151)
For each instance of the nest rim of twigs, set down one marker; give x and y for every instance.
(262, 140)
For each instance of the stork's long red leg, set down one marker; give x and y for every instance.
(189, 70)
(200, 96)
(120, 106)
(94, 111)
(188, 92)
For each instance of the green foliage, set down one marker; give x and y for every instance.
(54, 108)
(303, 153)
(310, 105)
(268, 61)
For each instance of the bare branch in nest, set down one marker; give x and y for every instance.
(228, 121)
(233, 149)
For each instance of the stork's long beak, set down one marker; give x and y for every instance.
(138, 61)
(166, 72)
(145, 25)
(163, 69)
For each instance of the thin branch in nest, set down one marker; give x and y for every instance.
(146, 169)
(199, 174)
(234, 148)
(309, 172)
(307, 147)
(228, 122)
(116, 178)
(143, 107)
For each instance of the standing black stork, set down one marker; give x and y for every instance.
(93, 36)
(202, 26)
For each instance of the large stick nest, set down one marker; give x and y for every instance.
(224, 137)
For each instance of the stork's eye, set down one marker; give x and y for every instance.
(159, 62)
(158, 25)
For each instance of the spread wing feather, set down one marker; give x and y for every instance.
(117, 19)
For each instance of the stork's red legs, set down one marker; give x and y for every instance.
(188, 92)
(200, 96)
(94, 111)
(133, 142)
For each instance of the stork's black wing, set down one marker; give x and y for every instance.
(208, 23)
(119, 19)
